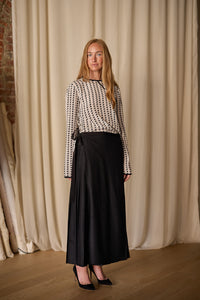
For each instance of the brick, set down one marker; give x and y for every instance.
(9, 40)
(8, 26)
(2, 98)
(1, 84)
(7, 107)
(10, 85)
(3, 24)
(9, 93)
(10, 78)
(8, 3)
(8, 70)
(6, 14)
(10, 64)
(8, 47)
(8, 55)
(10, 108)
(11, 113)
(9, 89)
(7, 84)
(3, 92)
(10, 99)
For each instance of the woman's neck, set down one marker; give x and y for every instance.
(95, 75)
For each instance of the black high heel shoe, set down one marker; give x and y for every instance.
(89, 286)
(104, 281)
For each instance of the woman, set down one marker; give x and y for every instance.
(97, 162)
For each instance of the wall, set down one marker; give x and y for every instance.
(7, 87)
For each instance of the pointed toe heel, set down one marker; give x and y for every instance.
(89, 286)
(104, 281)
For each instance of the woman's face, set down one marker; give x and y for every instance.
(95, 57)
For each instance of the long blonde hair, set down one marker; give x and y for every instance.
(107, 74)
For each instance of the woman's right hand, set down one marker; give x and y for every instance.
(126, 177)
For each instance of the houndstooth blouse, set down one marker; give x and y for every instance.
(87, 109)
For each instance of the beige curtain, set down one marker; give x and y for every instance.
(154, 50)
(8, 224)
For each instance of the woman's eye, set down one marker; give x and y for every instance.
(89, 54)
(98, 54)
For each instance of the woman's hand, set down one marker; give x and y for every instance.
(126, 177)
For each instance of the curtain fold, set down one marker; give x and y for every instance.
(154, 49)
(5, 248)
(8, 228)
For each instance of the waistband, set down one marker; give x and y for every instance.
(97, 133)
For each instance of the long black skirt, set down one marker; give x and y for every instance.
(96, 217)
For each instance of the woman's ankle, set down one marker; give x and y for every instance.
(83, 274)
(99, 272)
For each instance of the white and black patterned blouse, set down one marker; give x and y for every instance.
(87, 109)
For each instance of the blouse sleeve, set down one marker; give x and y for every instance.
(71, 113)
(120, 115)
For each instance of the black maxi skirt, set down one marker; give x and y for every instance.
(96, 217)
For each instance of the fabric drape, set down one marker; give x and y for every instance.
(154, 49)
(8, 225)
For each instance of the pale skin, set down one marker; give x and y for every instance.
(95, 64)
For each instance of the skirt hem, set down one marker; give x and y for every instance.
(114, 260)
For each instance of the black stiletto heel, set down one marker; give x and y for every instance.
(104, 281)
(89, 286)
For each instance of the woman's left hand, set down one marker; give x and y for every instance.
(126, 177)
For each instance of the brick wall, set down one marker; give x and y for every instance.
(7, 87)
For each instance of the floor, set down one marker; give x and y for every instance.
(169, 273)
